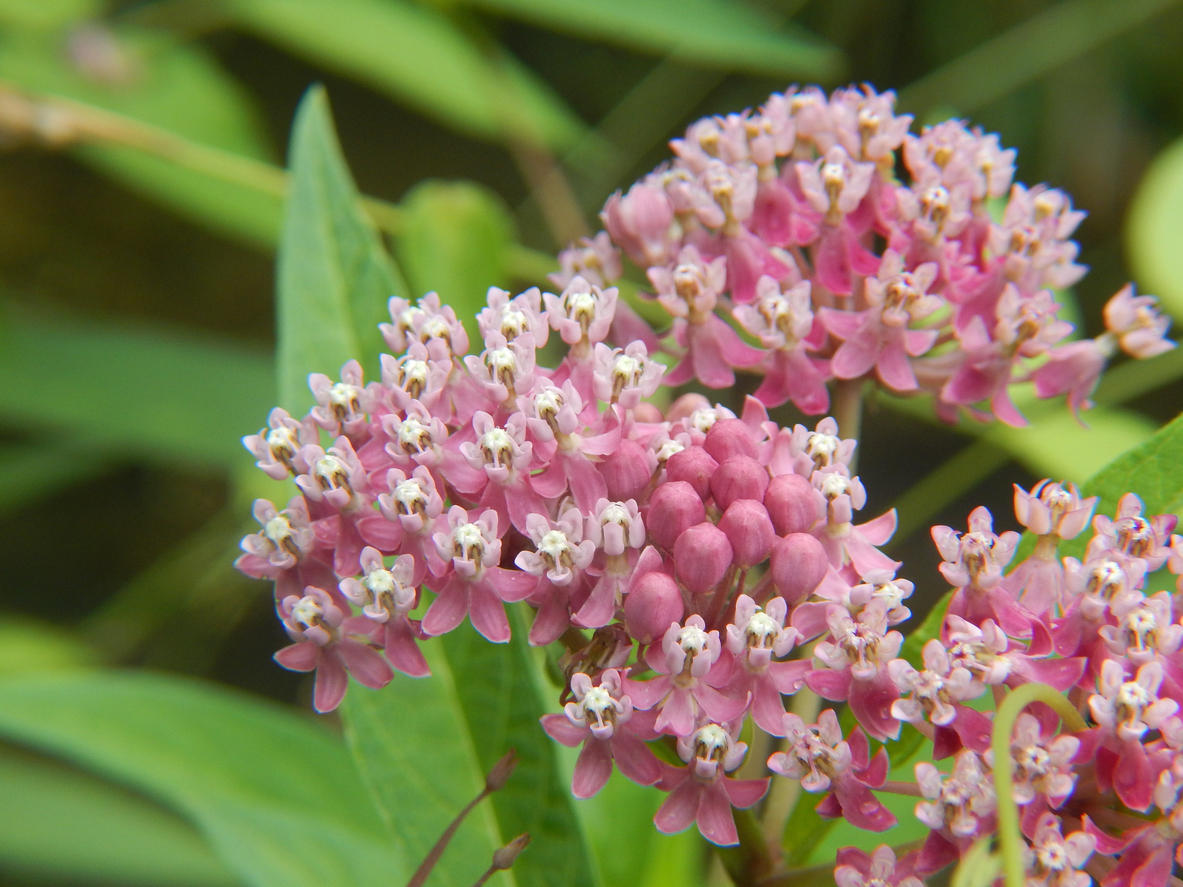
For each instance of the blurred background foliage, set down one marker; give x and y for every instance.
(141, 191)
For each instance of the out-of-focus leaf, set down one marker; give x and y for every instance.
(722, 33)
(277, 797)
(334, 275)
(152, 393)
(29, 471)
(62, 824)
(1056, 445)
(484, 698)
(1155, 229)
(46, 15)
(170, 85)
(28, 646)
(415, 54)
(454, 241)
(1153, 470)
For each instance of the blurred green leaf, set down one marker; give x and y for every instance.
(1153, 469)
(485, 699)
(277, 797)
(62, 824)
(27, 646)
(723, 33)
(454, 240)
(154, 393)
(159, 81)
(1155, 230)
(31, 471)
(334, 275)
(416, 55)
(47, 14)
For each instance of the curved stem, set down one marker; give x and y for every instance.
(1010, 838)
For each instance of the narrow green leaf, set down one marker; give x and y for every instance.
(31, 471)
(1155, 229)
(46, 15)
(177, 87)
(147, 392)
(334, 275)
(28, 646)
(454, 240)
(721, 33)
(62, 824)
(415, 54)
(483, 698)
(276, 796)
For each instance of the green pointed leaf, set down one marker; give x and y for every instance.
(151, 392)
(415, 54)
(1153, 470)
(721, 33)
(334, 276)
(276, 796)
(62, 824)
(1155, 229)
(454, 240)
(167, 84)
(484, 698)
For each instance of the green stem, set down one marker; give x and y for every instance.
(750, 862)
(1010, 838)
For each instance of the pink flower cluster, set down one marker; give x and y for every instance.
(698, 565)
(791, 223)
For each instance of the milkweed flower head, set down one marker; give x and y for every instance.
(701, 563)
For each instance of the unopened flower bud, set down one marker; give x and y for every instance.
(793, 504)
(798, 564)
(501, 771)
(626, 471)
(503, 857)
(702, 555)
(674, 507)
(740, 477)
(749, 529)
(647, 412)
(653, 603)
(695, 466)
(729, 437)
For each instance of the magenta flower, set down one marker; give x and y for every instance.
(702, 792)
(603, 720)
(386, 597)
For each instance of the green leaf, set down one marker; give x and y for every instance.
(334, 275)
(276, 796)
(1155, 229)
(454, 240)
(148, 392)
(1153, 470)
(416, 55)
(62, 824)
(31, 471)
(27, 646)
(171, 85)
(722, 33)
(484, 698)
(46, 15)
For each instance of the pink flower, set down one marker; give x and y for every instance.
(702, 792)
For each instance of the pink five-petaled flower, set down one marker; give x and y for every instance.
(958, 807)
(690, 672)
(472, 581)
(1057, 861)
(879, 869)
(702, 792)
(602, 719)
(322, 643)
(1138, 324)
(937, 694)
(825, 762)
(386, 596)
(560, 557)
(753, 638)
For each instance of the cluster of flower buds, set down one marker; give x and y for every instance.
(698, 565)
(793, 223)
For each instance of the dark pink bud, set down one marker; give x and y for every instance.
(702, 555)
(729, 437)
(740, 477)
(674, 508)
(793, 504)
(626, 471)
(652, 605)
(798, 564)
(687, 405)
(749, 530)
(693, 465)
